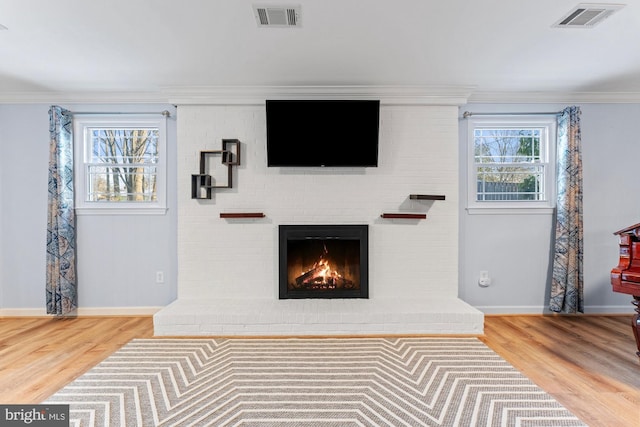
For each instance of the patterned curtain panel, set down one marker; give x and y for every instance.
(567, 282)
(61, 229)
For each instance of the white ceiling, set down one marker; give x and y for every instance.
(494, 48)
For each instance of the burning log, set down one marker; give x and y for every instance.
(322, 276)
(309, 275)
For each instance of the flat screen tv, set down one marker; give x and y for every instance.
(319, 133)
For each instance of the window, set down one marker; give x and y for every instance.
(120, 164)
(511, 164)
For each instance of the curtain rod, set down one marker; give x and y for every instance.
(82, 113)
(468, 114)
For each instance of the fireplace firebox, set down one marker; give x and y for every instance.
(324, 261)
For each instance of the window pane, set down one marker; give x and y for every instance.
(122, 163)
(122, 183)
(510, 182)
(507, 145)
(124, 146)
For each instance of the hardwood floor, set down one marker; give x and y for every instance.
(38, 356)
(587, 363)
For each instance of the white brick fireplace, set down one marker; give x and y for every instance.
(228, 268)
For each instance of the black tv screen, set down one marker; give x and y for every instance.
(322, 133)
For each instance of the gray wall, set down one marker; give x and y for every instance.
(118, 256)
(515, 249)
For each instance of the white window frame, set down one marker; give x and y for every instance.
(548, 124)
(82, 126)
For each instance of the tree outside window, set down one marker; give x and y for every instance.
(509, 164)
(123, 165)
(120, 164)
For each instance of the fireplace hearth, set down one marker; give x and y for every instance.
(323, 261)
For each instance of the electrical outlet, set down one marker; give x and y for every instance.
(485, 280)
(159, 277)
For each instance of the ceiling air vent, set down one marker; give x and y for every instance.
(277, 16)
(587, 15)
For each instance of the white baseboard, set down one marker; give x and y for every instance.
(84, 311)
(150, 311)
(609, 309)
(533, 309)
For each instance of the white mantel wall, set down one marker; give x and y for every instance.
(236, 260)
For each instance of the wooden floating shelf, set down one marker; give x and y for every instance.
(243, 215)
(426, 197)
(403, 216)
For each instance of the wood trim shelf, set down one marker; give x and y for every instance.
(242, 215)
(426, 197)
(403, 216)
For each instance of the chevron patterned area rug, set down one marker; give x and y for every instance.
(308, 382)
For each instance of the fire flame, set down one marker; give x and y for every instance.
(322, 273)
(322, 276)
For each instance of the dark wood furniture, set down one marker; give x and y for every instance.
(625, 278)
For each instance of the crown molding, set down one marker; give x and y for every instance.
(256, 95)
(555, 97)
(96, 97)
